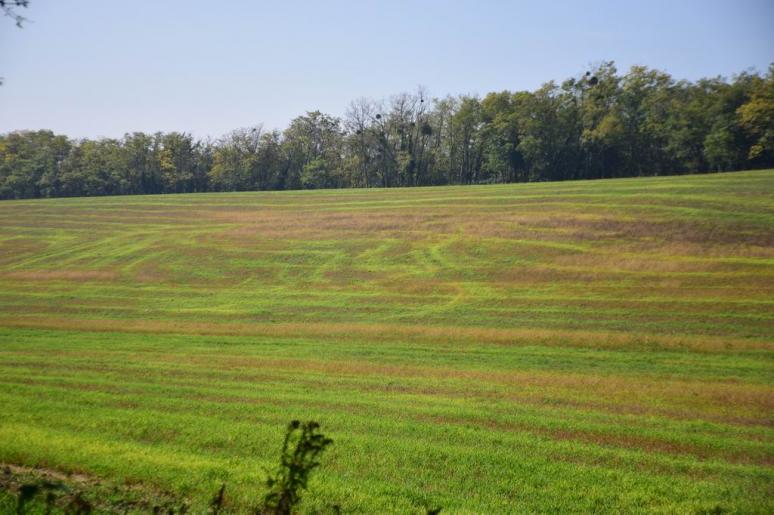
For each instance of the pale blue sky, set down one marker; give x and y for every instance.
(105, 67)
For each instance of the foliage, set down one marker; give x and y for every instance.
(49, 495)
(598, 125)
(301, 449)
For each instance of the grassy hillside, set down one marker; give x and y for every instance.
(602, 345)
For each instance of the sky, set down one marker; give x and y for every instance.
(93, 68)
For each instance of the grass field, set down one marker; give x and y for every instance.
(555, 347)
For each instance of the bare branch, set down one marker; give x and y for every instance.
(9, 9)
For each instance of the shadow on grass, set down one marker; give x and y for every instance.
(302, 449)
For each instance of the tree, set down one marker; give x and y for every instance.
(361, 142)
(178, 162)
(30, 164)
(235, 160)
(549, 134)
(466, 125)
(9, 9)
(598, 124)
(501, 159)
(314, 146)
(646, 101)
(756, 117)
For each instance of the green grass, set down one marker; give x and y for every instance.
(562, 347)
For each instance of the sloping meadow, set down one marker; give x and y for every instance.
(576, 346)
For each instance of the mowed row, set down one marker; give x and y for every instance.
(601, 345)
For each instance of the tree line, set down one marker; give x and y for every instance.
(600, 124)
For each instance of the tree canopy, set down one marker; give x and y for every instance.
(596, 125)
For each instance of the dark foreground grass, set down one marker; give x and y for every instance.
(598, 346)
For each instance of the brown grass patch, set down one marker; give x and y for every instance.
(631, 441)
(62, 275)
(390, 332)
